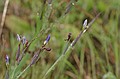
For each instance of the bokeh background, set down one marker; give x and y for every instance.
(95, 56)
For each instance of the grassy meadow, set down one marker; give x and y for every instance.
(42, 40)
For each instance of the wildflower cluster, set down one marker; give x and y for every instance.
(21, 52)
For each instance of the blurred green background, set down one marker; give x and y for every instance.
(95, 56)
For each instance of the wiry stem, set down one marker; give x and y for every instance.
(52, 67)
(75, 41)
(14, 72)
(22, 71)
(68, 47)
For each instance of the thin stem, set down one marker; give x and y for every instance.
(65, 52)
(68, 47)
(52, 67)
(14, 72)
(7, 74)
(75, 41)
(22, 71)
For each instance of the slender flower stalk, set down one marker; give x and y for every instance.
(35, 57)
(61, 57)
(69, 6)
(12, 77)
(78, 37)
(27, 45)
(52, 67)
(85, 28)
(68, 47)
(33, 61)
(18, 52)
(64, 53)
(7, 74)
(19, 57)
(7, 60)
(22, 72)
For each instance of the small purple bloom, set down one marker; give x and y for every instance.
(85, 23)
(47, 39)
(35, 57)
(18, 37)
(24, 40)
(7, 59)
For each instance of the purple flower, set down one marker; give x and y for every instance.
(7, 59)
(35, 57)
(18, 37)
(85, 24)
(47, 39)
(24, 40)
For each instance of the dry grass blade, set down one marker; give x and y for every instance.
(72, 75)
(76, 60)
(3, 16)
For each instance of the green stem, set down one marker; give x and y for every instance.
(52, 67)
(68, 47)
(22, 71)
(14, 72)
(65, 53)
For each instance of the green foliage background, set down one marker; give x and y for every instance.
(95, 56)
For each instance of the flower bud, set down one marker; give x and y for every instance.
(47, 40)
(7, 59)
(85, 24)
(47, 49)
(18, 37)
(24, 40)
